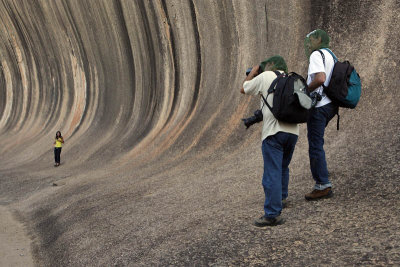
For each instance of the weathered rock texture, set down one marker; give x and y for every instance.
(157, 168)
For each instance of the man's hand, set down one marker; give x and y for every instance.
(319, 80)
(252, 74)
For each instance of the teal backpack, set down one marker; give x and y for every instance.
(344, 88)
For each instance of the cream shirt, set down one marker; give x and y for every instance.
(260, 85)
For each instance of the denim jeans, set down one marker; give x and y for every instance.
(277, 152)
(317, 121)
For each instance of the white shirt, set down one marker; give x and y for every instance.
(317, 65)
(260, 85)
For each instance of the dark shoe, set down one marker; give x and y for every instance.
(319, 194)
(263, 221)
(284, 203)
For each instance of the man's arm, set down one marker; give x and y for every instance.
(319, 80)
(249, 77)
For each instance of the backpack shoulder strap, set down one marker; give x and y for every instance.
(322, 55)
(335, 59)
(277, 73)
(323, 59)
(271, 89)
(333, 55)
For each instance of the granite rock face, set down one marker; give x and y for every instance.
(156, 167)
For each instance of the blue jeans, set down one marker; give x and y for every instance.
(277, 152)
(317, 121)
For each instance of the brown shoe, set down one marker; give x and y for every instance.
(319, 194)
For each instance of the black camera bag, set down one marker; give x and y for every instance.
(286, 105)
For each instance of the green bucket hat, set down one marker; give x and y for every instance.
(315, 40)
(276, 62)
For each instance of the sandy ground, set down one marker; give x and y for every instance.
(14, 242)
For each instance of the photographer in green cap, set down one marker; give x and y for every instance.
(320, 69)
(278, 141)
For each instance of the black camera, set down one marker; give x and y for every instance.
(249, 70)
(315, 97)
(258, 116)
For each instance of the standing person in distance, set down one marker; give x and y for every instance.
(319, 75)
(278, 141)
(59, 141)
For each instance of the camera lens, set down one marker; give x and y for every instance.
(258, 116)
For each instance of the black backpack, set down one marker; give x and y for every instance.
(286, 105)
(344, 88)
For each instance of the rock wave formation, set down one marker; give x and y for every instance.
(157, 168)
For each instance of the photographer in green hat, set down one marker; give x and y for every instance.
(278, 140)
(320, 69)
